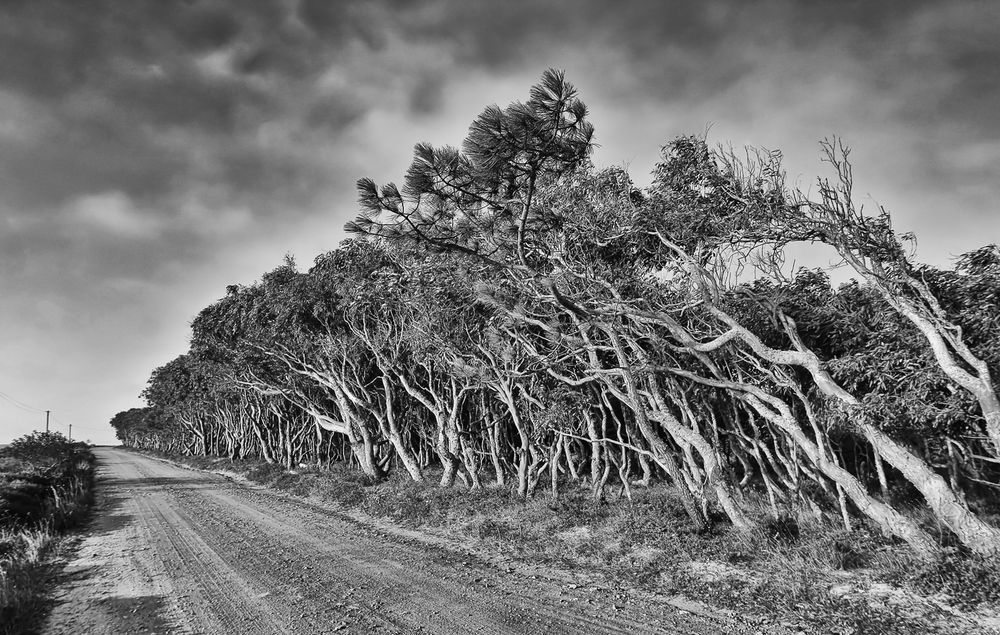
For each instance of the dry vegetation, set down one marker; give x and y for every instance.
(46, 487)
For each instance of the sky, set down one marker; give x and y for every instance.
(154, 151)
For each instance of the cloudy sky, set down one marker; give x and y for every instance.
(154, 151)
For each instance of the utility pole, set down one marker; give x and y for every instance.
(47, 420)
(71, 432)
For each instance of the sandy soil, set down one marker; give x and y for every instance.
(173, 550)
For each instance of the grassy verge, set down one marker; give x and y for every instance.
(804, 572)
(46, 488)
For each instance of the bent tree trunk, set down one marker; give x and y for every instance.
(595, 457)
(974, 533)
(925, 312)
(445, 413)
(358, 436)
(691, 438)
(946, 504)
(448, 447)
(891, 521)
(979, 383)
(365, 452)
(495, 454)
(943, 501)
(396, 437)
(505, 391)
(661, 453)
(776, 411)
(713, 473)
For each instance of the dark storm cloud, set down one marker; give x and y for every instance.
(80, 156)
(335, 112)
(185, 97)
(116, 79)
(692, 49)
(206, 28)
(427, 95)
(54, 47)
(340, 21)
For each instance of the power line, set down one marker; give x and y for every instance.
(20, 404)
(90, 429)
(48, 414)
(63, 423)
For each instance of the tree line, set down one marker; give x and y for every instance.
(512, 315)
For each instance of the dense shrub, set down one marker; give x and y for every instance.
(46, 485)
(46, 451)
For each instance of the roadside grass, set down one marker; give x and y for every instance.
(46, 488)
(801, 570)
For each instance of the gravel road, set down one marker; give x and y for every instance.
(173, 550)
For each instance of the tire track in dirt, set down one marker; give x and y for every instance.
(219, 596)
(176, 550)
(412, 587)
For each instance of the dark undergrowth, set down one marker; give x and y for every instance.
(805, 572)
(46, 489)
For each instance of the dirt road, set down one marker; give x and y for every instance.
(175, 550)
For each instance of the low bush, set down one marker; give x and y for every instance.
(46, 486)
(968, 581)
(265, 472)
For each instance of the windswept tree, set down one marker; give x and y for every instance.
(513, 307)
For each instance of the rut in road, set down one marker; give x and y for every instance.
(177, 550)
